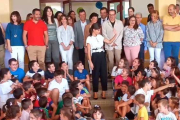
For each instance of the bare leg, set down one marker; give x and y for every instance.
(87, 83)
(55, 96)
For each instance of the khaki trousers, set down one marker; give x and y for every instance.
(37, 53)
(110, 57)
(2, 55)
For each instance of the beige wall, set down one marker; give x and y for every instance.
(5, 10)
(24, 6)
(89, 7)
(141, 6)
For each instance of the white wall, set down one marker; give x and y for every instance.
(141, 6)
(89, 7)
(24, 6)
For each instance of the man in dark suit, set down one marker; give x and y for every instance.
(104, 15)
(79, 27)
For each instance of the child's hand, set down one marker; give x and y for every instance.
(173, 71)
(171, 85)
(32, 97)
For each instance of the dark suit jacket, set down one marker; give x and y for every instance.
(99, 21)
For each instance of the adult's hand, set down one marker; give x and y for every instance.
(10, 49)
(77, 48)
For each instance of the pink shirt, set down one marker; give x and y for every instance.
(119, 80)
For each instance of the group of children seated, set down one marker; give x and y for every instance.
(46, 95)
(139, 93)
(146, 93)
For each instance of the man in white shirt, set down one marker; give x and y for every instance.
(113, 49)
(104, 15)
(59, 83)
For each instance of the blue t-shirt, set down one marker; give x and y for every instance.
(49, 75)
(15, 34)
(18, 74)
(81, 75)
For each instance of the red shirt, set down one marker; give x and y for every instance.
(119, 79)
(35, 32)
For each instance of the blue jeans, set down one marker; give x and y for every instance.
(171, 49)
(141, 52)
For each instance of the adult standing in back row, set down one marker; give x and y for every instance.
(171, 26)
(36, 31)
(79, 27)
(53, 51)
(14, 38)
(113, 49)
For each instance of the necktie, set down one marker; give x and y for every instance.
(103, 20)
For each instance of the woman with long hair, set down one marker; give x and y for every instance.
(66, 39)
(72, 14)
(57, 17)
(14, 33)
(133, 37)
(53, 51)
(97, 58)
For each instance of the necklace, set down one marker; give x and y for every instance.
(15, 35)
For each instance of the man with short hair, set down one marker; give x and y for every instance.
(143, 48)
(104, 15)
(79, 27)
(36, 32)
(171, 24)
(113, 49)
(17, 72)
(177, 9)
(150, 9)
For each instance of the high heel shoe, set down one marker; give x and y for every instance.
(103, 95)
(95, 96)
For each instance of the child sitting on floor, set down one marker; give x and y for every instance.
(123, 77)
(81, 74)
(164, 113)
(33, 68)
(126, 97)
(19, 95)
(35, 114)
(27, 106)
(29, 89)
(49, 74)
(82, 103)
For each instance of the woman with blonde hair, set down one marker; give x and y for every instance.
(155, 32)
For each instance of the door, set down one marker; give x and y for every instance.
(116, 6)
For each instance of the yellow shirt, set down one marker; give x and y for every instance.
(171, 36)
(143, 113)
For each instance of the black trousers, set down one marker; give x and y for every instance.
(99, 71)
(82, 55)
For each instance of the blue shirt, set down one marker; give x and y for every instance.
(18, 74)
(15, 34)
(143, 27)
(49, 75)
(81, 75)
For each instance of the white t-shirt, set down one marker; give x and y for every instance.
(77, 100)
(125, 97)
(95, 43)
(116, 72)
(63, 86)
(5, 89)
(169, 116)
(31, 73)
(147, 98)
(148, 72)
